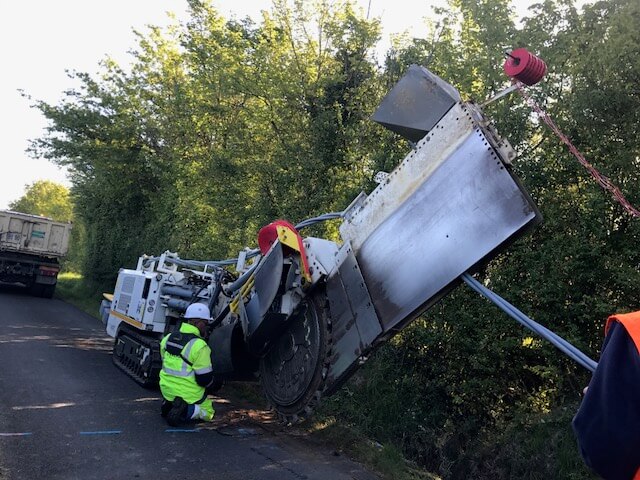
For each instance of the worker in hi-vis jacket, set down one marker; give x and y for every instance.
(186, 369)
(608, 422)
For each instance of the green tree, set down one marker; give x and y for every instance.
(221, 126)
(45, 198)
(467, 420)
(50, 199)
(218, 128)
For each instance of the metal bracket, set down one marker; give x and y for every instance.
(499, 95)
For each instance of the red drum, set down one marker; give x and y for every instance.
(524, 66)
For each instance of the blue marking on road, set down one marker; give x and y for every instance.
(182, 430)
(15, 434)
(102, 432)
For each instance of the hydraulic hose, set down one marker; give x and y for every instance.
(320, 218)
(250, 254)
(242, 280)
(202, 264)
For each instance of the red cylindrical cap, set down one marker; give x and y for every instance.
(525, 66)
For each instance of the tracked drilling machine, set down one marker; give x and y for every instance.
(302, 314)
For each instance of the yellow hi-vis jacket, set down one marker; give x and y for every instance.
(184, 371)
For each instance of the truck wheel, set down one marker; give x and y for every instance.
(48, 290)
(35, 289)
(44, 291)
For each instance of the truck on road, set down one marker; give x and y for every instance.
(31, 248)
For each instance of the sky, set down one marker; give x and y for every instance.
(43, 39)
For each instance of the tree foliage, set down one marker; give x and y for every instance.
(45, 198)
(221, 126)
(50, 199)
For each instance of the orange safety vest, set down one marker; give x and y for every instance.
(631, 323)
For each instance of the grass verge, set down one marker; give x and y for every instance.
(322, 430)
(72, 289)
(386, 460)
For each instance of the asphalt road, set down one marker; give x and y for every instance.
(66, 412)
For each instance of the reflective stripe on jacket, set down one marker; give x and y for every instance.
(191, 358)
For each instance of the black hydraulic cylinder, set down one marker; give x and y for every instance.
(176, 291)
(180, 305)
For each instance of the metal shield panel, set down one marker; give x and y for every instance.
(355, 325)
(416, 103)
(267, 278)
(448, 205)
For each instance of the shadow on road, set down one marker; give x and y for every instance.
(13, 289)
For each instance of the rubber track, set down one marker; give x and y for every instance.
(151, 380)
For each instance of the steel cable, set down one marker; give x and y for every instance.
(564, 346)
(602, 180)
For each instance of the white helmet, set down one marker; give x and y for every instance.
(197, 310)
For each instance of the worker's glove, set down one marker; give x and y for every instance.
(215, 386)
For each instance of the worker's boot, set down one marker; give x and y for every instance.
(165, 408)
(178, 412)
